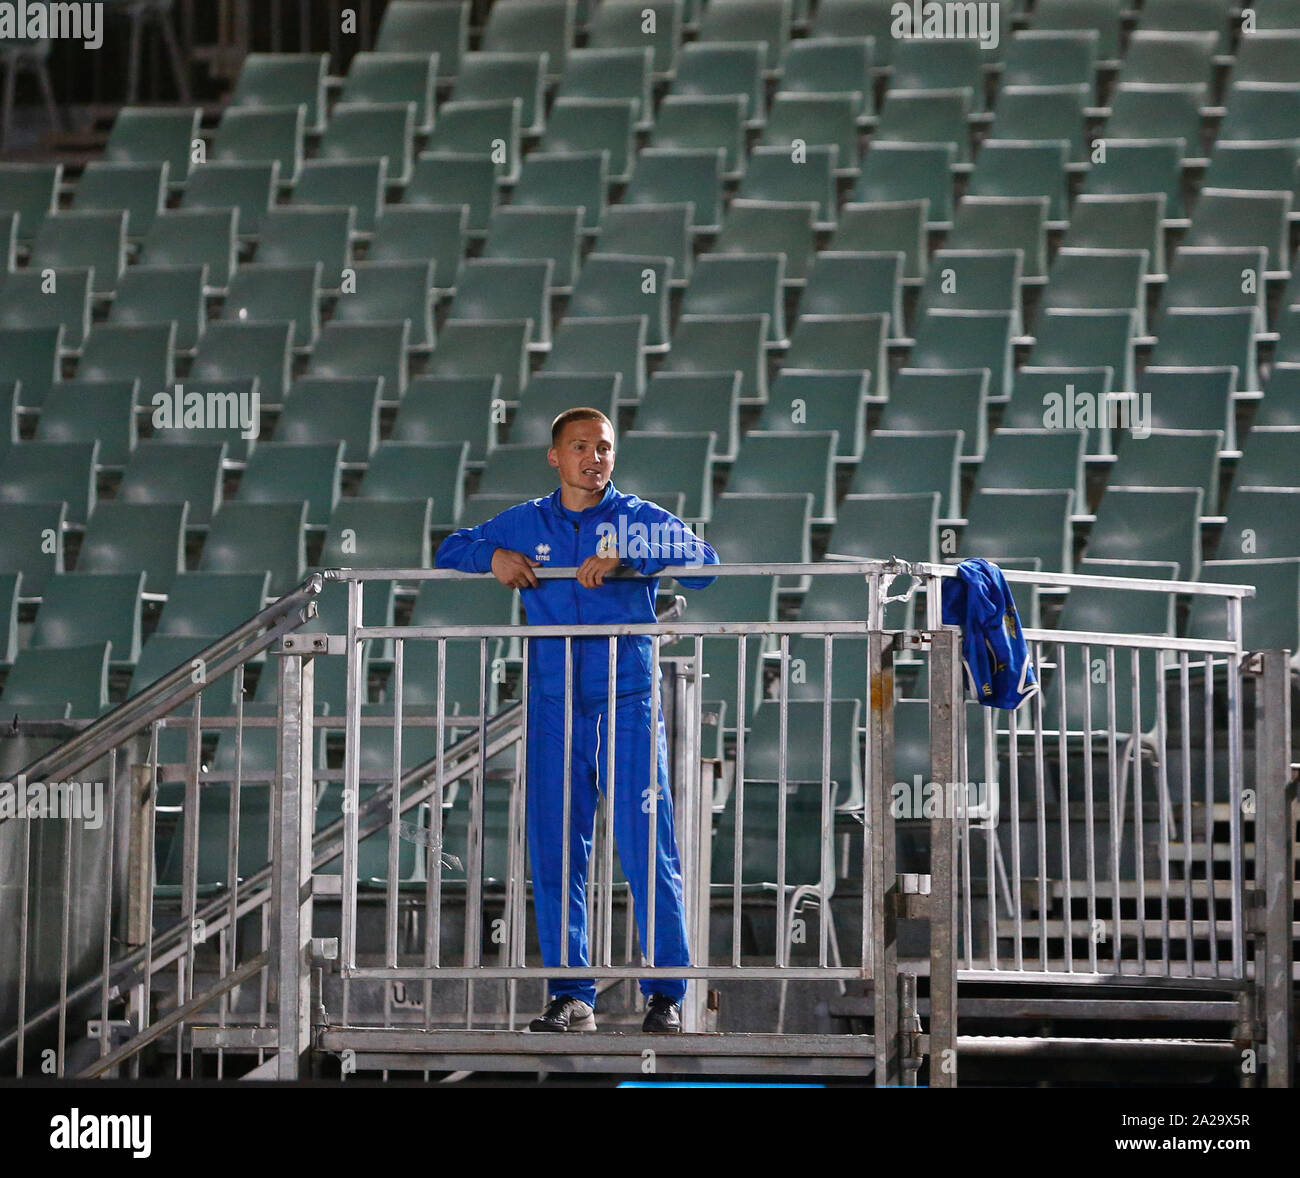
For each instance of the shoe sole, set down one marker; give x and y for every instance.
(587, 1024)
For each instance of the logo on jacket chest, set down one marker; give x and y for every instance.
(542, 552)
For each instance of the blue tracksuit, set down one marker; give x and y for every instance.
(648, 538)
(998, 667)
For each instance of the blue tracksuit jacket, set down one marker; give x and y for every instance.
(648, 538)
(997, 660)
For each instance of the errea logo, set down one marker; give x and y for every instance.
(542, 552)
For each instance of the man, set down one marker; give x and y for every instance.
(588, 524)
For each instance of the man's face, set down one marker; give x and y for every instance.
(584, 456)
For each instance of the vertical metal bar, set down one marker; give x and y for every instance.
(1234, 790)
(519, 922)
(783, 688)
(433, 935)
(151, 868)
(1185, 725)
(1116, 811)
(351, 783)
(1063, 754)
(966, 898)
(1211, 888)
(565, 824)
(607, 914)
(884, 877)
(827, 876)
(945, 730)
(991, 850)
(1040, 816)
(478, 806)
(236, 817)
(738, 790)
(190, 881)
(1017, 905)
(1166, 815)
(107, 956)
(24, 901)
(1139, 810)
(395, 808)
(65, 923)
(652, 869)
(1089, 814)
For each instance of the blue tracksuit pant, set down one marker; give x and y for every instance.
(545, 809)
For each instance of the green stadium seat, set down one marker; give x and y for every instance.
(1102, 15)
(842, 343)
(975, 280)
(1268, 620)
(140, 190)
(1188, 16)
(479, 129)
(445, 178)
(93, 410)
(285, 79)
(1260, 111)
(266, 134)
(248, 188)
(250, 537)
(789, 462)
(1066, 338)
(83, 240)
(496, 77)
(692, 402)
(33, 542)
(827, 120)
(877, 527)
(451, 409)
(84, 609)
(773, 174)
(1149, 523)
(29, 298)
(1034, 114)
(814, 400)
(52, 472)
(714, 69)
(1209, 277)
(551, 180)
(538, 234)
(1158, 110)
(229, 351)
(832, 65)
(31, 191)
(337, 183)
(1281, 403)
(872, 19)
(602, 345)
(966, 339)
(763, 21)
(529, 26)
(232, 397)
(618, 285)
(262, 293)
(1267, 56)
(373, 533)
(1001, 523)
(653, 230)
(1262, 522)
(162, 294)
(941, 398)
(391, 292)
(119, 352)
(612, 73)
(299, 236)
(58, 682)
(668, 176)
(1055, 57)
(686, 124)
(1171, 458)
(1120, 222)
(761, 529)
(395, 77)
(725, 343)
(1099, 280)
(1173, 58)
(1015, 167)
(765, 227)
(930, 64)
(1191, 398)
(550, 394)
(410, 470)
(282, 472)
(505, 289)
(1034, 460)
(429, 233)
(915, 462)
(927, 116)
(128, 537)
(468, 348)
(579, 125)
(159, 473)
(1253, 166)
(1267, 461)
(362, 131)
(1276, 16)
(352, 350)
(856, 283)
(621, 24)
(412, 26)
(29, 358)
(894, 172)
(1192, 336)
(888, 226)
(194, 237)
(675, 461)
(9, 593)
(323, 410)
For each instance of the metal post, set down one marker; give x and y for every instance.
(883, 877)
(946, 716)
(293, 815)
(1275, 790)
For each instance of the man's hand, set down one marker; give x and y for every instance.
(591, 573)
(513, 569)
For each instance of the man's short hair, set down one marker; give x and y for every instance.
(582, 413)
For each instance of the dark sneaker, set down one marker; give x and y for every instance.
(565, 1013)
(662, 1014)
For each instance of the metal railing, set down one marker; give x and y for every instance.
(1108, 841)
